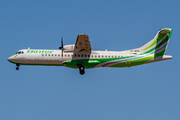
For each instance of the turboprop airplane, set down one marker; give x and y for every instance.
(81, 56)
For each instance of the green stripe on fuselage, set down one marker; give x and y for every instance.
(14, 55)
(129, 63)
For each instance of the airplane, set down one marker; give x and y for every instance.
(81, 56)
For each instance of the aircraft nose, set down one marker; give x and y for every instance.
(9, 59)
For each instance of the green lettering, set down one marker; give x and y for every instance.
(39, 51)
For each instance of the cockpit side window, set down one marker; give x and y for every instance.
(17, 52)
(20, 52)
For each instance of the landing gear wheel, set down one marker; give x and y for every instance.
(81, 72)
(81, 69)
(17, 68)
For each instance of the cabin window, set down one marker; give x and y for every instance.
(121, 56)
(78, 55)
(109, 56)
(102, 56)
(88, 55)
(42, 54)
(55, 55)
(58, 54)
(95, 56)
(84, 55)
(68, 55)
(81, 55)
(91, 55)
(115, 56)
(106, 56)
(75, 55)
(52, 54)
(45, 54)
(48, 54)
(99, 56)
(65, 55)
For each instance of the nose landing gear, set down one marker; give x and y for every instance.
(17, 68)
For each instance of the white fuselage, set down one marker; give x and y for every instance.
(55, 57)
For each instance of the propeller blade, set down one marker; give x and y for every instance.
(62, 53)
(61, 48)
(61, 43)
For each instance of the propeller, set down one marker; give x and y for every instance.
(61, 48)
(61, 44)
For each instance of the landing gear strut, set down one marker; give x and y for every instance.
(81, 69)
(17, 68)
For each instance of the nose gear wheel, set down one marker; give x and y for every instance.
(17, 68)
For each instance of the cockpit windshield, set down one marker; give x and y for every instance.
(20, 52)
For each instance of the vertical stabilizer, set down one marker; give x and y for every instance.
(158, 44)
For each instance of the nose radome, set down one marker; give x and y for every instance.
(9, 59)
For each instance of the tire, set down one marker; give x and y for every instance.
(82, 72)
(17, 68)
(81, 68)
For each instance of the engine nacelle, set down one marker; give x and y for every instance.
(69, 47)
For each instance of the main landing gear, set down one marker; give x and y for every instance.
(17, 68)
(81, 69)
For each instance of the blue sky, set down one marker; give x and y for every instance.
(148, 92)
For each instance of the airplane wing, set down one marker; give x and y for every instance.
(82, 43)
